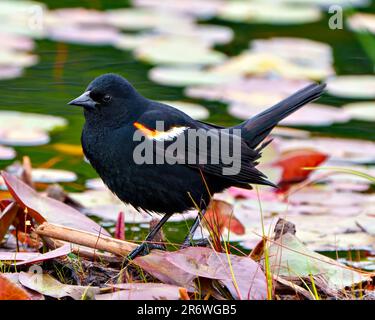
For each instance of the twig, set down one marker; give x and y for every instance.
(94, 241)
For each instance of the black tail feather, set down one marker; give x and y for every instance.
(256, 129)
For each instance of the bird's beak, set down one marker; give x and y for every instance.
(84, 101)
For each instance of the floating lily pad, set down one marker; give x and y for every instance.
(7, 153)
(95, 184)
(52, 175)
(254, 92)
(181, 77)
(210, 34)
(11, 119)
(343, 150)
(75, 16)
(84, 35)
(304, 52)
(310, 115)
(362, 22)
(23, 137)
(270, 64)
(323, 3)
(143, 18)
(354, 86)
(10, 72)
(17, 59)
(16, 42)
(171, 50)
(132, 41)
(361, 110)
(260, 12)
(198, 8)
(194, 110)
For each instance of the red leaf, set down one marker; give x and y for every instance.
(10, 291)
(120, 227)
(220, 215)
(43, 209)
(293, 163)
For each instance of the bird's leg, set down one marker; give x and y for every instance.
(193, 228)
(146, 246)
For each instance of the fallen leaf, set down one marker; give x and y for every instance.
(62, 251)
(246, 282)
(220, 215)
(10, 291)
(49, 286)
(18, 256)
(160, 268)
(47, 209)
(6, 219)
(142, 291)
(293, 164)
(289, 257)
(14, 277)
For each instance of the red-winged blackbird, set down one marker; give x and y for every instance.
(115, 111)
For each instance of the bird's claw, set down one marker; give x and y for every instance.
(144, 249)
(199, 243)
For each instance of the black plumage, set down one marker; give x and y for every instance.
(113, 109)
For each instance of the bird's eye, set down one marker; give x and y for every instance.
(107, 98)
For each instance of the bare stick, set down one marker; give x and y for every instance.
(87, 239)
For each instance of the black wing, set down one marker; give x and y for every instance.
(245, 159)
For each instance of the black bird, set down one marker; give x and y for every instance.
(115, 111)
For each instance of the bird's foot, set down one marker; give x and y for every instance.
(199, 243)
(143, 250)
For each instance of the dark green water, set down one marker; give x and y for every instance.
(44, 90)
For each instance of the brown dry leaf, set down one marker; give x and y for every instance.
(10, 291)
